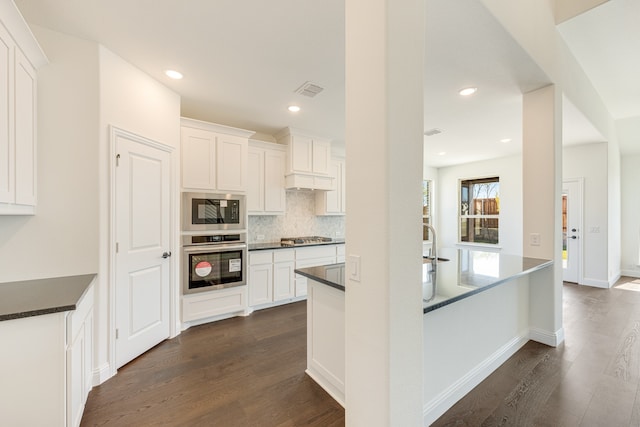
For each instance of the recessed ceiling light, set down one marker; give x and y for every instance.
(442, 153)
(293, 108)
(173, 74)
(468, 91)
(505, 140)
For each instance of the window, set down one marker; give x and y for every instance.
(479, 210)
(426, 208)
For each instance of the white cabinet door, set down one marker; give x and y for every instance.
(255, 180)
(198, 159)
(260, 284)
(7, 187)
(231, 163)
(333, 202)
(274, 188)
(301, 151)
(321, 156)
(283, 280)
(25, 130)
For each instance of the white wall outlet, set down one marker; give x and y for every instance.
(260, 237)
(353, 266)
(534, 239)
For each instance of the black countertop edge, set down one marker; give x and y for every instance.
(311, 273)
(278, 245)
(39, 297)
(484, 288)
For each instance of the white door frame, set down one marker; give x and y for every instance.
(114, 132)
(580, 221)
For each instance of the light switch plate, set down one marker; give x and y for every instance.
(353, 264)
(534, 239)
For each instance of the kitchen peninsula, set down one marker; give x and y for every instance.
(476, 315)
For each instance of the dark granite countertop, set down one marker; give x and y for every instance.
(43, 296)
(466, 273)
(278, 245)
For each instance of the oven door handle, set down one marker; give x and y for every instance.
(212, 248)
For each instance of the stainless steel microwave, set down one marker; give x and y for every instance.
(213, 212)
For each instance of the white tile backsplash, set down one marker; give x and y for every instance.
(300, 220)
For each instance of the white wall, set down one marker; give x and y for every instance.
(510, 173)
(62, 238)
(133, 101)
(630, 216)
(590, 162)
(614, 204)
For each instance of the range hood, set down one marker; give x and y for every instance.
(307, 181)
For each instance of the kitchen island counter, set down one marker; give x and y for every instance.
(466, 273)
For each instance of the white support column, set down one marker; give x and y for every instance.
(542, 208)
(384, 134)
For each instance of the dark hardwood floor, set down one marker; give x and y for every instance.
(591, 380)
(250, 372)
(244, 371)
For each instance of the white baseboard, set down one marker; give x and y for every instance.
(631, 273)
(596, 283)
(433, 409)
(552, 339)
(327, 385)
(187, 325)
(101, 374)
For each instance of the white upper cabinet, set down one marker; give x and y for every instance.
(308, 164)
(333, 202)
(20, 56)
(266, 191)
(214, 157)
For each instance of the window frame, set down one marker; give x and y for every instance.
(428, 217)
(462, 217)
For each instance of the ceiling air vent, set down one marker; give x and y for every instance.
(432, 132)
(309, 89)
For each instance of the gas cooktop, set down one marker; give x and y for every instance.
(308, 240)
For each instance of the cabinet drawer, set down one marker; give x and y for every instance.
(315, 252)
(224, 301)
(340, 250)
(260, 257)
(284, 255)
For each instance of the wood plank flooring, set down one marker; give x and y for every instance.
(245, 371)
(593, 379)
(250, 372)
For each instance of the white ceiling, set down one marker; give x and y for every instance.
(242, 61)
(606, 42)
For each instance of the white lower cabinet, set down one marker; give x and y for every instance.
(312, 257)
(46, 367)
(271, 276)
(222, 302)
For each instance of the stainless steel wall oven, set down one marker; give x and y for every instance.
(213, 262)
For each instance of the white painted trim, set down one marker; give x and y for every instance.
(101, 374)
(433, 409)
(596, 283)
(173, 303)
(241, 313)
(14, 22)
(614, 279)
(631, 273)
(214, 127)
(327, 385)
(552, 339)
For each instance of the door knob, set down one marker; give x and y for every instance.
(573, 230)
(573, 237)
(166, 254)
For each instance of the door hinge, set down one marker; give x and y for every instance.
(117, 247)
(117, 333)
(117, 160)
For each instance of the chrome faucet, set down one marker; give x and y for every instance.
(434, 247)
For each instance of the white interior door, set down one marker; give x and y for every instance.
(571, 230)
(142, 231)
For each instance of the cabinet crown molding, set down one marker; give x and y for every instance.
(214, 127)
(14, 22)
(295, 131)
